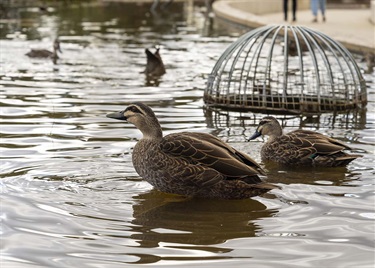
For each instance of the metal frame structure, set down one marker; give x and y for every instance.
(290, 69)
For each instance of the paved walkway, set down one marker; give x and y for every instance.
(351, 27)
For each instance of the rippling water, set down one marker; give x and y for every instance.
(70, 196)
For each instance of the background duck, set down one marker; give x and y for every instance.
(155, 65)
(190, 163)
(44, 53)
(300, 147)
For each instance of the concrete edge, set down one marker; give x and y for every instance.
(226, 11)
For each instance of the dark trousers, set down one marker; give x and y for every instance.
(286, 9)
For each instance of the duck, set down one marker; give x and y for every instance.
(191, 164)
(300, 147)
(154, 65)
(44, 53)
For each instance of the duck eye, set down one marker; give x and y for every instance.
(264, 121)
(133, 109)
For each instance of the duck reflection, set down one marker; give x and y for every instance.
(160, 217)
(151, 81)
(336, 176)
(221, 119)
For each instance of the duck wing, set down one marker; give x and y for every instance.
(206, 150)
(245, 158)
(317, 142)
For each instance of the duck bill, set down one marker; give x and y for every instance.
(255, 135)
(117, 115)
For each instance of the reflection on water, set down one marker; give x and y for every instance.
(217, 118)
(70, 195)
(181, 217)
(173, 221)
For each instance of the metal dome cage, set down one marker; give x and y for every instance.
(289, 69)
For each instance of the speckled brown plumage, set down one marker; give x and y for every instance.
(154, 65)
(191, 163)
(300, 147)
(44, 53)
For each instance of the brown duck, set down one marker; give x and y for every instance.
(300, 147)
(155, 65)
(190, 163)
(44, 53)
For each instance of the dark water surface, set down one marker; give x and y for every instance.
(70, 196)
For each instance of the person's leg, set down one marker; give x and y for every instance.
(314, 9)
(154, 5)
(294, 10)
(286, 10)
(323, 9)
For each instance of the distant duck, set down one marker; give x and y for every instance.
(300, 147)
(44, 53)
(155, 65)
(190, 163)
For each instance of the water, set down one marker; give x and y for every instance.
(70, 196)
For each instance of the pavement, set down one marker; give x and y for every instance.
(351, 27)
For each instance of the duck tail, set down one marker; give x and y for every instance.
(344, 160)
(265, 186)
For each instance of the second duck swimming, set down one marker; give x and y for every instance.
(300, 147)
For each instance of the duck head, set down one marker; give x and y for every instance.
(267, 126)
(56, 45)
(142, 117)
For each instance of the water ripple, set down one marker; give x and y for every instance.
(70, 195)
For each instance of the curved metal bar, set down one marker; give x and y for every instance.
(269, 61)
(351, 63)
(323, 56)
(246, 61)
(313, 57)
(300, 61)
(322, 38)
(256, 58)
(286, 62)
(254, 37)
(217, 71)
